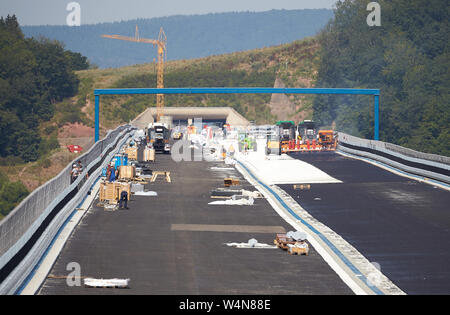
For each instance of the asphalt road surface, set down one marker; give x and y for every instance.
(175, 244)
(399, 223)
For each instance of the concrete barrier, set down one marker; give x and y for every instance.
(430, 166)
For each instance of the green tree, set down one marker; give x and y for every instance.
(407, 58)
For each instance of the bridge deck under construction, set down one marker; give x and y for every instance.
(175, 244)
(399, 223)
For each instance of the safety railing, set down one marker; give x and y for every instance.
(426, 165)
(28, 230)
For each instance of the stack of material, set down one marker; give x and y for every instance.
(137, 188)
(149, 155)
(299, 248)
(231, 182)
(127, 172)
(111, 191)
(283, 240)
(132, 153)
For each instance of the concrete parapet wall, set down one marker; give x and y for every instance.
(423, 164)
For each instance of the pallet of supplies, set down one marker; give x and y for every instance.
(231, 182)
(132, 153)
(149, 155)
(111, 191)
(119, 187)
(107, 192)
(282, 241)
(127, 172)
(299, 248)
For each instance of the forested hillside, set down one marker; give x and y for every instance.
(192, 36)
(35, 74)
(407, 57)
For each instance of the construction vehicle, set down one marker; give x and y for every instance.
(287, 134)
(306, 130)
(327, 139)
(158, 136)
(310, 140)
(161, 42)
(273, 140)
(177, 135)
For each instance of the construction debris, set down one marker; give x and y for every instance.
(252, 243)
(293, 242)
(235, 202)
(137, 188)
(230, 161)
(282, 241)
(299, 248)
(229, 193)
(302, 187)
(231, 182)
(215, 168)
(146, 193)
(106, 283)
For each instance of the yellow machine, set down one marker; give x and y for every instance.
(327, 139)
(162, 49)
(310, 140)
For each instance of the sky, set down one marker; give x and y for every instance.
(53, 12)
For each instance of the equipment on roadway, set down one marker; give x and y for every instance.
(273, 140)
(158, 137)
(308, 139)
(177, 135)
(327, 139)
(287, 134)
(306, 130)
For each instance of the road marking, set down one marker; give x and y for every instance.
(228, 228)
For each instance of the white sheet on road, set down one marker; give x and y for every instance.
(285, 170)
(146, 193)
(109, 283)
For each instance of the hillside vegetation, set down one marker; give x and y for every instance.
(35, 74)
(294, 63)
(407, 57)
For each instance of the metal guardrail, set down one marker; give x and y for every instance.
(29, 229)
(423, 164)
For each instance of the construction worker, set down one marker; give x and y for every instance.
(80, 168)
(231, 150)
(74, 173)
(224, 153)
(123, 199)
(112, 176)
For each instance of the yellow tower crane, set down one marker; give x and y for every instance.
(162, 48)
